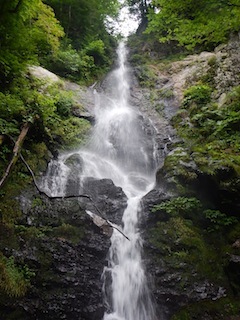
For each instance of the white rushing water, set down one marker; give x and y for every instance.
(122, 150)
(128, 297)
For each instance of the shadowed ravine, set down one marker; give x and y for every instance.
(120, 149)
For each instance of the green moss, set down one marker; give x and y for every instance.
(159, 107)
(179, 169)
(37, 156)
(18, 179)
(180, 206)
(180, 242)
(138, 59)
(219, 220)
(147, 76)
(210, 134)
(198, 94)
(222, 309)
(32, 233)
(234, 234)
(69, 232)
(15, 280)
(8, 238)
(165, 93)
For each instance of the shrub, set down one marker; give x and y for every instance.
(15, 280)
(64, 105)
(178, 206)
(199, 94)
(96, 49)
(219, 219)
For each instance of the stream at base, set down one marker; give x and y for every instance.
(122, 148)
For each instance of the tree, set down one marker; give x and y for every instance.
(139, 7)
(28, 28)
(84, 20)
(192, 24)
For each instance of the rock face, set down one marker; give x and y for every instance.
(109, 200)
(67, 253)
(175, 283)
(83, 97)
(174, 243)
(43, 74)
(65, 249)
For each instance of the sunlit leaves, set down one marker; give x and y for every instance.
(194, 23)
(28, 28)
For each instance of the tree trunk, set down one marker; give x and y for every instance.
(1, 139)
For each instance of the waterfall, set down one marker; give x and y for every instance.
(121, 149)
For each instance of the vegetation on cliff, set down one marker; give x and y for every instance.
(195, 234)
(200, 25)
(198, 230)
(71, 38)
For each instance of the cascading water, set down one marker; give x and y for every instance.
(120, 149)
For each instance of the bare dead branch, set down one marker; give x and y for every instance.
(43, 192)
(16, 151)
(72, 196)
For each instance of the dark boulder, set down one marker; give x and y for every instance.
(67, 253)
(108, 200)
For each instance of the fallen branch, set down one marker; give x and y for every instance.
(16, 151)
(104, 224)
(97, 218)
(111, 225)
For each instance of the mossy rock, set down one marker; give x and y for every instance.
(222, 309)
(179, 171)
(179, 241)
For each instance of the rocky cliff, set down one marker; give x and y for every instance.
(190, 221)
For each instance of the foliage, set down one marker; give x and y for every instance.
(147, 77)
(193, 24)
(72, 131)
(181, 244)
(15, 280)
(211, 130)
(69, 232)
(218, 219)
(49, 112)
(88, 47)
(179, 206)
(27, 29)
(199, 94)
(224, 308)
(139, 7)
(84, 21)
(96, 49)
(64, 104)
(82, 64)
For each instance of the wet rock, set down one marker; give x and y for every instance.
(109, 199)
(154, 197)
(83, 98)
(83, 114)
(67, 253)
(75, 164)
(74, 161)
(233, 271)
(173, 287)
